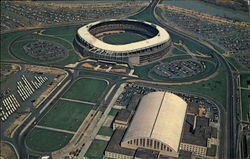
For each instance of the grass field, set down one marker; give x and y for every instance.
(66, 115)
(106, 131)
(96, 149)
(86, 89)
(245, 103)
(142, 71)
(5, 40)
(46, 141)
(122, 38)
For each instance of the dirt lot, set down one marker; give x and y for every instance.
(7, 151)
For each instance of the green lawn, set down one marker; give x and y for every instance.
(63, 30)
(96, 149)
(106, 131)
(214, 132)
(145, 15)
(86, 89)
(66, 115)
(5, 40)
(236, 64)
(122, 38)
(243, 80)
(142, 71)
(245, 103)
(46, 141)
(212, 151)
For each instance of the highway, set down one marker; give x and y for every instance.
(231, 101)
(230, 135)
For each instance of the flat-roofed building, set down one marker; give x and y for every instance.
(196, 132)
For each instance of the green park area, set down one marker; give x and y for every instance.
(86, 89)
(105, 131)
(96, 149)
(66, 115)
(122, 38)
(42, 140)
(214, 132)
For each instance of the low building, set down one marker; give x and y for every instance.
(196, 132)
(122, 119)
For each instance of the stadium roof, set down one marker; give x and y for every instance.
(160, 38)
(160, 116)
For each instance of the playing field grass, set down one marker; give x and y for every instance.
(245, 103)
(86, 89)
(66, 115)
(106, 131)
(46, 141)
(96, 149)
(122, 38)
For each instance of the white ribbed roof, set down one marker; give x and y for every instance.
(160, 116)
(161, 37)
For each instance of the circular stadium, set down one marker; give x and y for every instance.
(123, 41)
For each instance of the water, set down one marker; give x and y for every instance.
(208, 8)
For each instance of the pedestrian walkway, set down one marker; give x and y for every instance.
(77, 101)
(55, 129)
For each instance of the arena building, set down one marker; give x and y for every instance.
(156, 126)
(155, 45)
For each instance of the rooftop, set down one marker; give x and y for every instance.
(124, 115)
(196, 134)
(114, 143)
(146, 153)
(161, 37)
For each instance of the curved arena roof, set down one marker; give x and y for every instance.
(160, 116)
(161, 37)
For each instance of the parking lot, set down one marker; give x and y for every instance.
(179, 68)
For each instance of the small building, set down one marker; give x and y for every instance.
(196, 132)
(122, 119)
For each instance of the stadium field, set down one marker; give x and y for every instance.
(122, 38)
